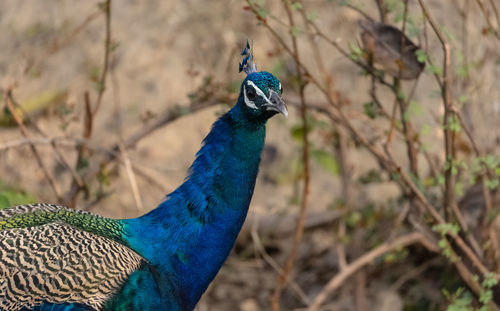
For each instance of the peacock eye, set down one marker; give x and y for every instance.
(251, 93)
(281, 89)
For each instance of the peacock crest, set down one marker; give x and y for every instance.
(248, 64)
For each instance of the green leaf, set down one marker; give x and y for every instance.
(4, 201)
(312, 16)
(489, 280)
(462, 71)
(353, 219)
(446, 228)
(412, 28)
(297, 133)
(326, 160)
(414, 109)
(103, 6)
(295, 31)
(435, 70)
(296, 6)
(421, 56)
(369, 109)
(113, 45)
(82, 164)
(459, 188)
(262, 12)
(485, 296)
(355, 52)
(461, 304)
(491, 183)
(454, 124)
(345, 2)
(372, 176)
(11, 197)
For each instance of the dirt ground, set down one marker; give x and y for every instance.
(164, 51)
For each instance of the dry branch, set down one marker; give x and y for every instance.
(367, 258)
(299, 228)
(24, 131)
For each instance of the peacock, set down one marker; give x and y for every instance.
(54, 258)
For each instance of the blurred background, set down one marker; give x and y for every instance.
(104, 110)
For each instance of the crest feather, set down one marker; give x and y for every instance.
(248, 64)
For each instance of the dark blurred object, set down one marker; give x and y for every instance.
(473, 205)
(390, 50)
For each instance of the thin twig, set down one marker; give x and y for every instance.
(59, 156)
(24, 131)
(449, 114)
(113, 153)
(131, 176)
(366, 259)
(403, 104)
(107, 50)
(299, 229)
(58, 43)
(495, 11)
(493, 30)
(276, 267)
(414, 273)
(356, 9)
(382, 10)
(90, 113)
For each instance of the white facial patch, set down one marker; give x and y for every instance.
(259, 92)
(248, 102)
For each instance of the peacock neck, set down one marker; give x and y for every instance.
(188, 237)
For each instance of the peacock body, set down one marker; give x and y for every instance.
(54, 258)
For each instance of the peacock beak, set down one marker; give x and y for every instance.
(277, 104)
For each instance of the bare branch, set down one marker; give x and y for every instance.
(366, 259)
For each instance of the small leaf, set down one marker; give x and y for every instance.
(370, 109)
(4, 201)
(345, 2)
(326, 160)
(485, 296)
(11, 197)
(462, 99)
(421, 56)
(353, 219)
(262, 13)
(489, 280)
(312, 16)
(446, 228)
(459, 188)
(372, 176)
(113, 45)
(296, 6)
(356, 52)
(297, 133)
(295, 31)
(103, 6)
(435, 70)
(425, 130)
(491, 183)
(82, 164)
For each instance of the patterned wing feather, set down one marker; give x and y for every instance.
(58, 263)
(40, 214)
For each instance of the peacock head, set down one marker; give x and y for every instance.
(260, 91)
